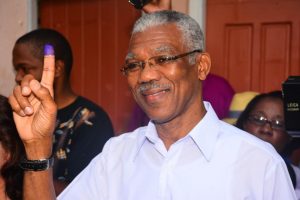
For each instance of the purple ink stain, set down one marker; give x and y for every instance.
(48, 50)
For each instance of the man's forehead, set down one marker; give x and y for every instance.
(156, 50)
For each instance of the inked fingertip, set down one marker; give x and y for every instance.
(48, 50)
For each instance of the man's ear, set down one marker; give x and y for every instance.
(59, 68)
(203, 64)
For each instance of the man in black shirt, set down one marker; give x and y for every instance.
(82, 127)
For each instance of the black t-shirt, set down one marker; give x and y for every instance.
(85, 128)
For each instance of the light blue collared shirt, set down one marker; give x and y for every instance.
(213, 161)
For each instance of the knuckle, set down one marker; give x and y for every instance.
(16, 90)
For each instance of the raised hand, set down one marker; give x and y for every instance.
(35, 110)
(156, 5)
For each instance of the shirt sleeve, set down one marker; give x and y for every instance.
(90, 183)
(278, 184)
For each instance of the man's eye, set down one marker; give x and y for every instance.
(22, 69)
(26, 70)
(162, 59)
(132, 66)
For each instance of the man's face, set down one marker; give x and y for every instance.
(25, 63)
(163, 92)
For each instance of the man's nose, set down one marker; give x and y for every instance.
(149, 73)
(19, 76)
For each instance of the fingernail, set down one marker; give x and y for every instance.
(28, 111)
(48, 50)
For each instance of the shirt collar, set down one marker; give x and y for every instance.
(146, 133)
(204, 134)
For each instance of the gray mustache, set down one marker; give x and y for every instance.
(148, 86)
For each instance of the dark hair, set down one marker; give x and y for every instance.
(39, 37)
(11, 142)
(277, 94)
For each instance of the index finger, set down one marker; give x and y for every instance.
(49, 68)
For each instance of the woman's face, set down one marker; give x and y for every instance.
(266, 121)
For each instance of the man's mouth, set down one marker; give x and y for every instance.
(153, 92)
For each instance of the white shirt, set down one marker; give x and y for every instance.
(297, 173)
(214, 161)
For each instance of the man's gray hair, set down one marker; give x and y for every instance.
(191, 31)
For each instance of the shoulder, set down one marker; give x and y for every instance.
(92, 107)
(124, 145)
(83, 101)
(244, 144)
(127, 139)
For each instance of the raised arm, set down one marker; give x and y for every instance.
(35, 116)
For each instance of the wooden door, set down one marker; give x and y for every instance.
(98, 31)
(255, 44)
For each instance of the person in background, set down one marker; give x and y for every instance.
(82, 127)
(264, 118)
(11, 152)
(185, 152)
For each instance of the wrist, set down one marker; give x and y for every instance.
(36, 165)
(37, 150)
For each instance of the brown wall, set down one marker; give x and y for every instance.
(98, 31)
(255, 44)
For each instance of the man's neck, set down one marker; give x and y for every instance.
(179, 127)
(64, 96)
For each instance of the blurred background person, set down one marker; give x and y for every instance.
(82, 127)
(264, 118)
(11, 151)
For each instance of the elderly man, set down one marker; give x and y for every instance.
(185, 152)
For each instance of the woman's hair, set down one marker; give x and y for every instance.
(253, 103)
(10, 141)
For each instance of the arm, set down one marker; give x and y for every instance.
(35, 115)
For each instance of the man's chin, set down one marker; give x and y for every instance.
(159, 119)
